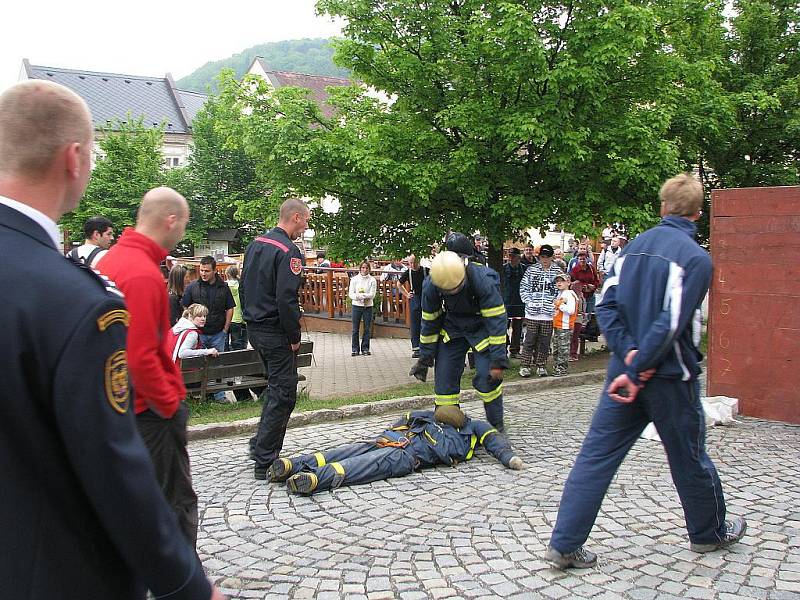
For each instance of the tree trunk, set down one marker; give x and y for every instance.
(496, 258)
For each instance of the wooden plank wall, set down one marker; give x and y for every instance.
(754, 307)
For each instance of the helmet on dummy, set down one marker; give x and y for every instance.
(460, 244)
(448, 271)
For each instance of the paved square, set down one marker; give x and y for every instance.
(479, 530)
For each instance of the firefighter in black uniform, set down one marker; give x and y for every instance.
(81, 513)
(268, 292)
(462, 309)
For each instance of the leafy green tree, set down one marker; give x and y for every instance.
(129, 163)
(503, 115)
(220, 177)
(762, 83)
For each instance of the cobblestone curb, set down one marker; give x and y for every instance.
(352, 411)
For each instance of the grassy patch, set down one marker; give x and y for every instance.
(211, 412)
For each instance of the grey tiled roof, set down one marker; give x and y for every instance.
(113, 97)
(193, 101)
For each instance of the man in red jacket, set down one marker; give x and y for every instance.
(161, 415)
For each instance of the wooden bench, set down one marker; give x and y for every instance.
(239, 369)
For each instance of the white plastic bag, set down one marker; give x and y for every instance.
(719, 410)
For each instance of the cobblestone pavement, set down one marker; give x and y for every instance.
(479, 530)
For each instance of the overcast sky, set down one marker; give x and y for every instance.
(145, 37)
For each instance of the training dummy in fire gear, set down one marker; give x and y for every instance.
(462, 309)
(417, 441)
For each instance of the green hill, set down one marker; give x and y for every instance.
(311, 56)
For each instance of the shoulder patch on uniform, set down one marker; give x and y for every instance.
(296, 265)
(116, 381)
(113, 316)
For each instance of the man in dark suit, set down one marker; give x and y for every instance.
(81, 514)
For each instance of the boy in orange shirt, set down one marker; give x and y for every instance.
(566, 310)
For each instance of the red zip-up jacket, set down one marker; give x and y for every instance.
(132, 264)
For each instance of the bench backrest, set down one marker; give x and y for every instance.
(237, 363)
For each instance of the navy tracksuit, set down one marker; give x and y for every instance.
(651, 303)
(415, 441)
(475, 317)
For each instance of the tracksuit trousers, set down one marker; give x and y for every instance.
(674, 407)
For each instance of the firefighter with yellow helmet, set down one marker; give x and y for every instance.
(462, 308)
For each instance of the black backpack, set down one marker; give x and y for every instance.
(88, 260)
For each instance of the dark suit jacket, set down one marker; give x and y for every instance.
(81, 514)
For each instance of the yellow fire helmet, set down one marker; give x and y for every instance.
(447, 271)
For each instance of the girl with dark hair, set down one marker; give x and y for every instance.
(175, 287)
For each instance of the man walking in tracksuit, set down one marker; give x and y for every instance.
(650, 316)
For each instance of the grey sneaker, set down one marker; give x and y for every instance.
(524, 372)
(559, 373)
(734, 531)
(577, 559)
(541, 372)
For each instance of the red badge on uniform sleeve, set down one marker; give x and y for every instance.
(296, 265)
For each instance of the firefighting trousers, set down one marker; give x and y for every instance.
(448, 371)
(355, 464)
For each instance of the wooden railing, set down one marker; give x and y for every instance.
(324, 294)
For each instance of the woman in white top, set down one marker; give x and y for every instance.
(362, 291)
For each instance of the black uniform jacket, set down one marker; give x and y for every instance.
(81, 513)
(269, 284)
(476, 313)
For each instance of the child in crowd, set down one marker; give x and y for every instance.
(185, 338)
(563, 323)
(581, 318)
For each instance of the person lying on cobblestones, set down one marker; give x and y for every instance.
(417, 441)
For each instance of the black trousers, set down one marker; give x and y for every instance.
(237, 336)
(280, 367)
(166, 441)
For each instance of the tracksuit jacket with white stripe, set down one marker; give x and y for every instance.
(651, 302)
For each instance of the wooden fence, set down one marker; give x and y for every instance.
(324, 294)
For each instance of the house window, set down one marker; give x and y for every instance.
(172, 161)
